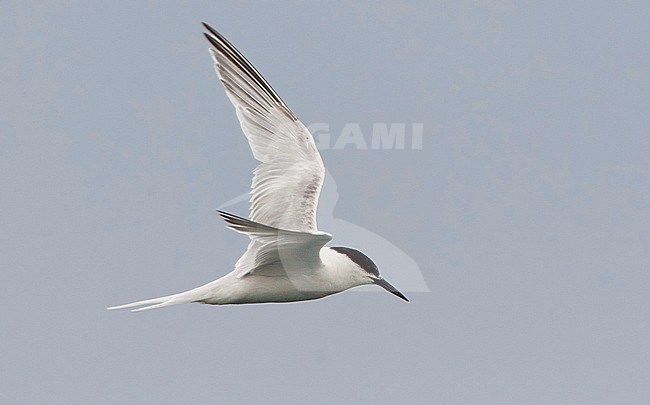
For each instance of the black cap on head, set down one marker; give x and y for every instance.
(370, 267)
(359, 258)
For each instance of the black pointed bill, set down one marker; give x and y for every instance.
(389, 287)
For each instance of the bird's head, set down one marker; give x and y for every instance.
(367, 270)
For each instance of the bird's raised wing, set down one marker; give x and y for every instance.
(290, 250)
(288, 181)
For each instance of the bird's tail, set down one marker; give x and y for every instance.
(174, 299)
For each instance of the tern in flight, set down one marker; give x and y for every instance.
(286, 259)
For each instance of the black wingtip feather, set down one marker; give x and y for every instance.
(212, 30)
(211, 40)
(244, 225)
(229, 51)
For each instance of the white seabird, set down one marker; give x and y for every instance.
(286, 259)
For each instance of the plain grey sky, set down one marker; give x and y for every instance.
(527, 210)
